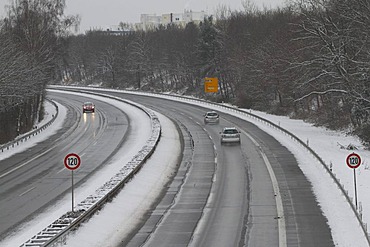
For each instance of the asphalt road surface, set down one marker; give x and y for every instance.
(35, 178)
(223, 195)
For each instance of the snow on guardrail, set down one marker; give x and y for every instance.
(189, 99)
(24, 138)
(57, 231)
(357, 213)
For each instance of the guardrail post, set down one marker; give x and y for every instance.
(28, 136)
(106, 192)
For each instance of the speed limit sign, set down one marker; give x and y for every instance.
(72, 161)
(353, 160)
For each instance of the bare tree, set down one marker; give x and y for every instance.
(334, 35)
(139, 58)
(30, 38)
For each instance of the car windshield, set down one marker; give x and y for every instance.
(212, 114)
(230, 131)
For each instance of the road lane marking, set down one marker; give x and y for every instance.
(27, 191)
(61, 170)
(278, 199)
(24, 164)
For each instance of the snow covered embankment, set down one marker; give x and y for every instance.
(57, 230)
(48, 120)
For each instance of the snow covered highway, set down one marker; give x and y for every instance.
(43, 182)
(222, 203)
(254, 194)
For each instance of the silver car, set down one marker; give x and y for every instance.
(211, 117)
(230, 135)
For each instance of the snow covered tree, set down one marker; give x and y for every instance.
(335, 60)
(30, 35)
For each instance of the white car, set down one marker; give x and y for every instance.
(230, 135)
(211, 117)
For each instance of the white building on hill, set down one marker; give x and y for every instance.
(151, 21)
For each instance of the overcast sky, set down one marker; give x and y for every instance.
(108, 13)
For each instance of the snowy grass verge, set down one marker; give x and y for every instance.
(51, 113)
(322, 160)
(70, 220)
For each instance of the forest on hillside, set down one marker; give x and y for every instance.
(308, 60)
(31, 45)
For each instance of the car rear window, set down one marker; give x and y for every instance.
(230, 131)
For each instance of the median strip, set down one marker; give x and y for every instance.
(84, 210)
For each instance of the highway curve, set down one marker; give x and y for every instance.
(224, 195)
(33, 179)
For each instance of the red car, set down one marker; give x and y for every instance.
(88, 107)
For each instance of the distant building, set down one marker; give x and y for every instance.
(151, 21)
(112, 31)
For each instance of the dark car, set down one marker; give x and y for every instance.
(88, 107)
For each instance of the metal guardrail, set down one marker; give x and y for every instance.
(266, 121)
(57, 231)
(24, 138)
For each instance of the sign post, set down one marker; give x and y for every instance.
(354, 161)
(72, 161)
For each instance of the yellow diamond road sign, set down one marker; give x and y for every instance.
(211, 84)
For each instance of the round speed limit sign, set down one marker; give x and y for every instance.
(72, 161)
(353, 160)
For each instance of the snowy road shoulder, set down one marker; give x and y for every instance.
(127, 209)
(345, 228)
(141, 124)
(328, 144)
(50, 111)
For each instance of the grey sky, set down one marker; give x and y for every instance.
(107, 13)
